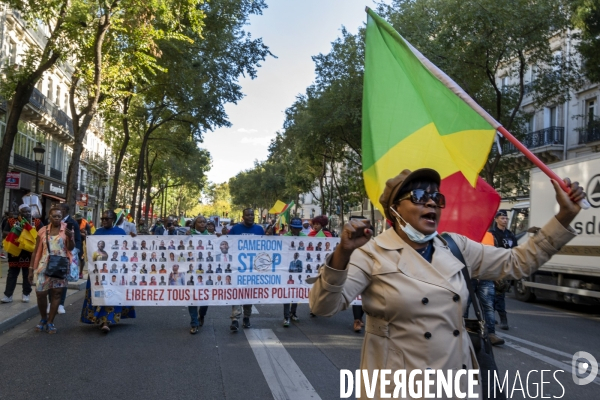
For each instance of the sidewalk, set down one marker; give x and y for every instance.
(12, 314)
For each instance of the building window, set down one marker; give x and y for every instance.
(557, 61)
(504, 83)
(590, 111)
(50, 91)
(57, 99)
(58, 153)
(531, 124)
(12, 52)
(26, 139)
(551, 117)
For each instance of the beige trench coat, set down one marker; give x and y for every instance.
(414, 308)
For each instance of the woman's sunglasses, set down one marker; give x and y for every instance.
(421, 196)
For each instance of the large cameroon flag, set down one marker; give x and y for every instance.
(415, 116)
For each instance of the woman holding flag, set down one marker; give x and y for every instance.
(19, 248)
(412, 286)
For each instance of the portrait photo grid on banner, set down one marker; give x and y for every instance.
(203, 270)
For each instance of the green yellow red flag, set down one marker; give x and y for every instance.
(278, 207)
(415, 116)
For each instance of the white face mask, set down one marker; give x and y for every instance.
(413, 234)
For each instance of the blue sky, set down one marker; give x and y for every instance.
(294, 30)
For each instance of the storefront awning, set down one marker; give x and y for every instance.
(53, 197)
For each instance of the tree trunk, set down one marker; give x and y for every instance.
(140, 169)
(89, 110)
(73, 173)
(148, 199)
(112, 202)
(20, 99)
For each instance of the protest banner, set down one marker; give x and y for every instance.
(203, 270)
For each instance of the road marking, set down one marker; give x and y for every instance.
(284, 377)
(254, 310)
(532, 344)
(558, 364)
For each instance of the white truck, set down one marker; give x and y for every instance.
(572, 275)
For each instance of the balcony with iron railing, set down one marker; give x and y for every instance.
(547, 144)
(59, 123)
(56, 174)
(554, 135)
(24, 162)
(95, 159)
(589, 134)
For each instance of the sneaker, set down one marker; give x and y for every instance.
(3, 256)
(295, 318)
(61, 309)
(234, 327)
(246, 323)
(25, 298)
(286, 322)
(6, 299)
(312, 315)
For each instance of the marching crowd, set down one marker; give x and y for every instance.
(64, 236)
(416, 285)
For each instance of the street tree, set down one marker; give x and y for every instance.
(110, 28)
(586, 18)
(60, 18)
(201, 76)
(477, 42)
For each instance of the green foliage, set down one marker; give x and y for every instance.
(185, 96)
(259, 187)
(586, 17)
(477, 42)
(216, 201)
(320, 147)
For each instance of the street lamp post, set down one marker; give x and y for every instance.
(38, 151)
(103, 181)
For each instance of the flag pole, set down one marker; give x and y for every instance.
(538, 163)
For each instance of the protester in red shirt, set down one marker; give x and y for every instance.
(318, 224)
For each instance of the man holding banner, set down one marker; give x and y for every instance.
(248, 227)
(296, 266)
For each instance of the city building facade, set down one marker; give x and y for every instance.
(561, 131)
(46, 122)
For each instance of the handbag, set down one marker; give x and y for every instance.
(56, 266)
(478, 333)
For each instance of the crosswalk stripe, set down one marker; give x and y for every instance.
(558, 364)
(284, 377)
(254, 310)
(532, 344)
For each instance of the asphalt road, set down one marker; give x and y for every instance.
(155, 357)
